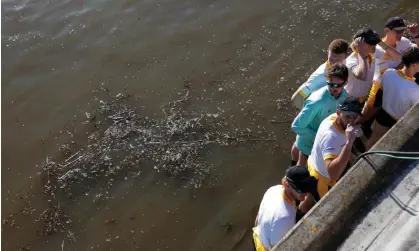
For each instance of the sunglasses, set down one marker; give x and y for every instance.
(335, 85)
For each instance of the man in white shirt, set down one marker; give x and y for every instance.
(395, 92)
(336, 53)
(332, 150)
(394, 29)
(277, 211)
(386, 58)
(361, 63)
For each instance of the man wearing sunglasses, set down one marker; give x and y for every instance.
(332, 150)
(336, 53)
(394, 93)
(317, 107)
(277, 211)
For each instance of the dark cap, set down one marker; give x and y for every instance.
(350, 106)
(368, 36)
(395, 23)
(299, 178)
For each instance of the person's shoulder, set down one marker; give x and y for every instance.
(405, 42)
(390, 72)
(321, 68)
(351, 59)
(317, 96)
(274, 189)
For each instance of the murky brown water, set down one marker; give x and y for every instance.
(54, 54)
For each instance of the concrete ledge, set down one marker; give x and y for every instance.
(328, 217)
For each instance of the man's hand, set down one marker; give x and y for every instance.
(351, 131)
(413, 29)
(361, 47)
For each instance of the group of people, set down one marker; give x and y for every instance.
(347, 100)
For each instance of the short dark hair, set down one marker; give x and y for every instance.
(411, 56)
(339, 46)
(337, 70)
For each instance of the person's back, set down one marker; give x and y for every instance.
(275, 218)
(399, 93)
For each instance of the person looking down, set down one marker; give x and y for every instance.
(331, 151)
(319, 105)
(336, 53)
(277, 211)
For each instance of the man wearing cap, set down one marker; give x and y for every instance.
(317, 107)
(385, 59)
(277, 211)
(394, 28)
(395, 92)
(361, 63)
(332, 150)
(336, 53)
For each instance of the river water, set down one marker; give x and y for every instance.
(246, 56)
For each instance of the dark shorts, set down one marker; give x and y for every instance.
(384, 119)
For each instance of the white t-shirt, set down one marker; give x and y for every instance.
(316, 80)
(382, 60)
(328, 144)
(356, 87)
(400, 92)
(275, 218)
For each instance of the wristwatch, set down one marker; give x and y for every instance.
(417, 36)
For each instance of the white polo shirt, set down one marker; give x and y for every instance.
(382, 58)
(275, 218)
(400, 92)
(328, 144)
(356, 87)
(316, 80)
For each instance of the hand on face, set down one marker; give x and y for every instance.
(351, 133)
(361, 47)
(413, 29)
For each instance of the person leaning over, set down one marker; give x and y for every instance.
(336, 53)
(317, 107)
(395, 92)
(277, 212)
(331, 150)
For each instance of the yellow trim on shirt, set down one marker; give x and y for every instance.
(288, 200)
(323, 183)
(328, 65)
(370, 57)
(258, 243)
(330, 156)
(376, 86)
(335, 124)
(302, 94)
(401, 74)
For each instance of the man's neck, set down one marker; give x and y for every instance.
(408, 72)
(289, 194)
(340, 124)
(389, 41)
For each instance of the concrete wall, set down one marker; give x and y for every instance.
(324, 224)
